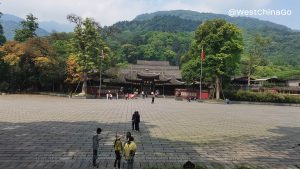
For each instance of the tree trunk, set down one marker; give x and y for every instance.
(249, 78)
(84, 85)
(217, 88)
(61, 87)
(52, 85)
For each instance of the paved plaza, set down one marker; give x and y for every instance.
(55, 132)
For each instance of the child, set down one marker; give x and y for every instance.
(96, 139)
(118, 147)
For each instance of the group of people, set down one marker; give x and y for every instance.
(109, 96)
(127, 150)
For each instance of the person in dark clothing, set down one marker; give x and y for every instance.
(136, 121)
(189, 165)
(132, 121)
(96, 139)
(128, 135)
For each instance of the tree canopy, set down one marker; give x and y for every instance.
(32, 62)
(87, 46)
(29, 26)
(223, 45)
(2, 37)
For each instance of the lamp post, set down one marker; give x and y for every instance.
(100, 73)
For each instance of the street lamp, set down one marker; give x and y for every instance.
(100, 73)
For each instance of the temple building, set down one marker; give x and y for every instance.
(147, 76)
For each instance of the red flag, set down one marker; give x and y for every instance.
(202, 55)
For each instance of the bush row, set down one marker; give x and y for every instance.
(243, 95)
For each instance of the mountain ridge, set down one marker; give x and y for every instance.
(284, 49)
(12, 22)
(202, 16)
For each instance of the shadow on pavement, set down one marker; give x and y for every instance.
(54, 144)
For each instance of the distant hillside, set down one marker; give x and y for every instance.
(11, 22)
(159, 23)
(9, 17)
(285, 48)
(9, 28)
(242, 22)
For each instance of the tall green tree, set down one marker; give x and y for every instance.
(255, 56)
(87, 46)
(129, 52)
(29, 26)
(223, 44)
(3, 65)
(2, 37)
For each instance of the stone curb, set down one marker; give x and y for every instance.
(253, 103)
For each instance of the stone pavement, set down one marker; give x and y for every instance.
(53, 132)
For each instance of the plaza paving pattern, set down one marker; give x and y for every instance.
(54, 132)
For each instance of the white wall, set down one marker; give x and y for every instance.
(293, 83)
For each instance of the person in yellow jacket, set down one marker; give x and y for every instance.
(129, 152)
(118, 147)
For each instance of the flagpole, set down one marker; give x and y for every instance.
(200, 85)
(201, 81)
(100, 73)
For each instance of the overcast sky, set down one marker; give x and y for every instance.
(108, 12)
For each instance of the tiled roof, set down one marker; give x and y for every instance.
(147, 69)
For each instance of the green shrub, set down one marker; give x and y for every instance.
(243, 95)
(4, 86)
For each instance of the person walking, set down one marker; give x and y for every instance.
(129, 152)
(96, 140)
(118, 147)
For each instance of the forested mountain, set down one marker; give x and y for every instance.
(9, 28)
(11, 22)
(284, 48)
(160, 23)
(242, 22)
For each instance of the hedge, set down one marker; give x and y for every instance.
(243, 95)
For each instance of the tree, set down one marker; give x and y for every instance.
(31, 62)
(129, 52)
(87, 46)
(255, 54)
(29, 26)
(3, 65)
(2, 37)
(223, 45)
(73, 74)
